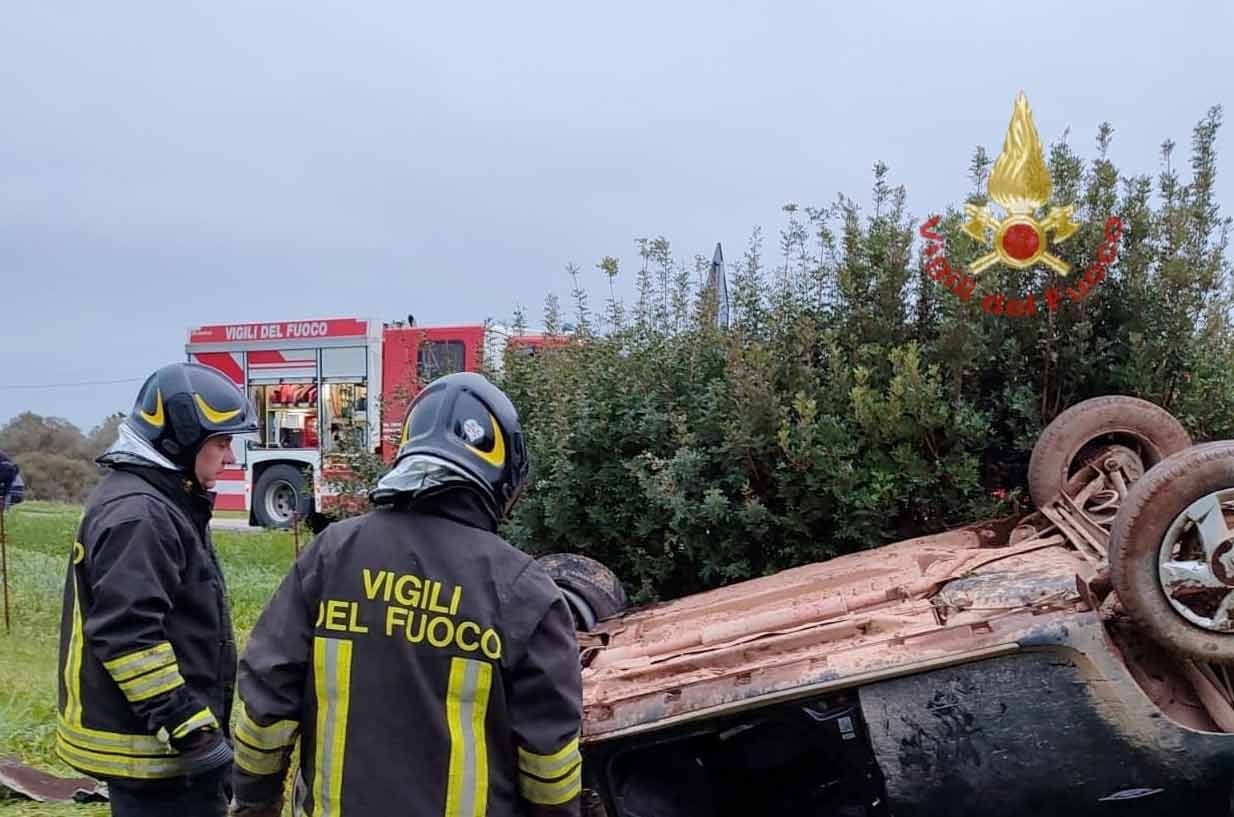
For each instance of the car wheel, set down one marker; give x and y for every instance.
(276, 496)
(1172, 553)
(592, 590)
(1137, 433)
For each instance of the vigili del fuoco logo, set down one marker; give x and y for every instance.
(1020, 184)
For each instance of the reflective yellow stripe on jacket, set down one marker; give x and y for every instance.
(99, 740)
(132, 664)
(114, 753)
(72, 664)
(466, 709)
(202, 718)
(105, 764)
(332, 685)
(146, 673)
(551, 779)
(262, 750)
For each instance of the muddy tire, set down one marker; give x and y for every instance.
(1128, 421)
(593, 591)
(1146, 520)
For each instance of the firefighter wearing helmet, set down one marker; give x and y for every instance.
(147, 653)
(426, 666)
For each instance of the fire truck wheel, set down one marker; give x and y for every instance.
(277, 495)
(1147, 431)
(592, 590)
(1172, 553)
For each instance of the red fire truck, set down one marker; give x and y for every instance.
(318, 383)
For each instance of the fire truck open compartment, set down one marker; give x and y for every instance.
(286, 415)
(309, 398)
(344, 415)
(316, 414)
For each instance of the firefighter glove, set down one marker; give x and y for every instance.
(203, 750)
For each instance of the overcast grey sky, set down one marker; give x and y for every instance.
(164, 165)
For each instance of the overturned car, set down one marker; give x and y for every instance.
(1074, 659)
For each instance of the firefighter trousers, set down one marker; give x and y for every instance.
(206, 795)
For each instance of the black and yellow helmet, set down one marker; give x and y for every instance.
(182, 405)
(470, 423)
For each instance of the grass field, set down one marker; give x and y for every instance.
(40, 536)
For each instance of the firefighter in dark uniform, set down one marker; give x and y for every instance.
(427, 667)
(8, 479)
(147, 653)
(8, 474)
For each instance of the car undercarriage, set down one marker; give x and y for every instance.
(1007, 667)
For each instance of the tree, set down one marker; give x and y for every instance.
(30, 433)
(56, 459)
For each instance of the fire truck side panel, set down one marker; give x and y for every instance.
(410, 354)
